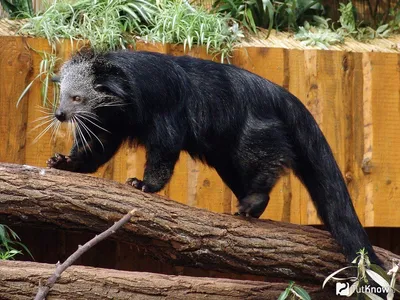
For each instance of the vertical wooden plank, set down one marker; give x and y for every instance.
(340, 92)
(328, 109)
(37, 153)
(15, 64)
(265, 62)
(352, 83)
(297, 85)
(314, 105)
(382, 156)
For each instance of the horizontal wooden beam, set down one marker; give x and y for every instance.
(170, 231)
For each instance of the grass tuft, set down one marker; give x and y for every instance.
(178, 22)
(106, 24)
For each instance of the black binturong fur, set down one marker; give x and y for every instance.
(247, 128)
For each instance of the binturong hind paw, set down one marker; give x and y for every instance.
(139, 184)
(61, 162)
(253, 205)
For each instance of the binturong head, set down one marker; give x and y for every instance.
(92, 92)
(79, 96)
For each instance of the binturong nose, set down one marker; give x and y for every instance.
(60, 115)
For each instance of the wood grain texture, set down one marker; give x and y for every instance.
(354, 97)
(19, 280)
(383, 194)
(167, 230)
(15, 66)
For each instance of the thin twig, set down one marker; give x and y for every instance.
(44, 289)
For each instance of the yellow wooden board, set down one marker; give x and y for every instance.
(15, 66)
(354, 97)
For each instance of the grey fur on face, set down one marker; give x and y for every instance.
(77, 80)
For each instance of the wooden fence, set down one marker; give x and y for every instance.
(354, 96)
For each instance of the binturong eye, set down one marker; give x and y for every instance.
(76, 99)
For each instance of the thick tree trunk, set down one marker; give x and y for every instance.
(19, 280)
(170, 231)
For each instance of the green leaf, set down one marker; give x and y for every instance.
(250, 18)
(380, 271)
(25, 91)
(382, 28)
(9, 7)
(301, 293)
(378, 279)
(284, 294)
(271, 12)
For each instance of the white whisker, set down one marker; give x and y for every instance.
(45, 110)
(98, 126)
(81, 134)
(44, 131)
(111, 105)
(42, 124)
(90, 132)
(72, 128)
(42, 118)
(55, 131)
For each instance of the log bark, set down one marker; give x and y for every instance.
(170, 231)
(19, 280)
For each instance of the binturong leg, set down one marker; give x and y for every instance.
(87, 157)
(158, 171)
(263, 154)
(256, 198)
(253, 205)
(253, 194)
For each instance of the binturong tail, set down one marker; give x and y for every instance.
(316, 167)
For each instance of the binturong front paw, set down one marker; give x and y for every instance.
(60, 161)
(139, 184)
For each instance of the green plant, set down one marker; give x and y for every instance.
(294, 292)
(177, 22)
(281, 15)
(320, 36)
(349, 27)
(104, 23)
(17, 8)
(46, 72)
(9, 240)
(394, 14)
(365, 272)
(250, 13)
(290, 14)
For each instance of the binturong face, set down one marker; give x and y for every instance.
(78, 96)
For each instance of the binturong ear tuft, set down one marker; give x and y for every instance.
(56, 78)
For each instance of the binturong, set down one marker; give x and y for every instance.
(247, 128)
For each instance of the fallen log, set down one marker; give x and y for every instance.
(19, 280)
(170, 231)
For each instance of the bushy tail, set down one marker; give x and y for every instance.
(316, 167)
